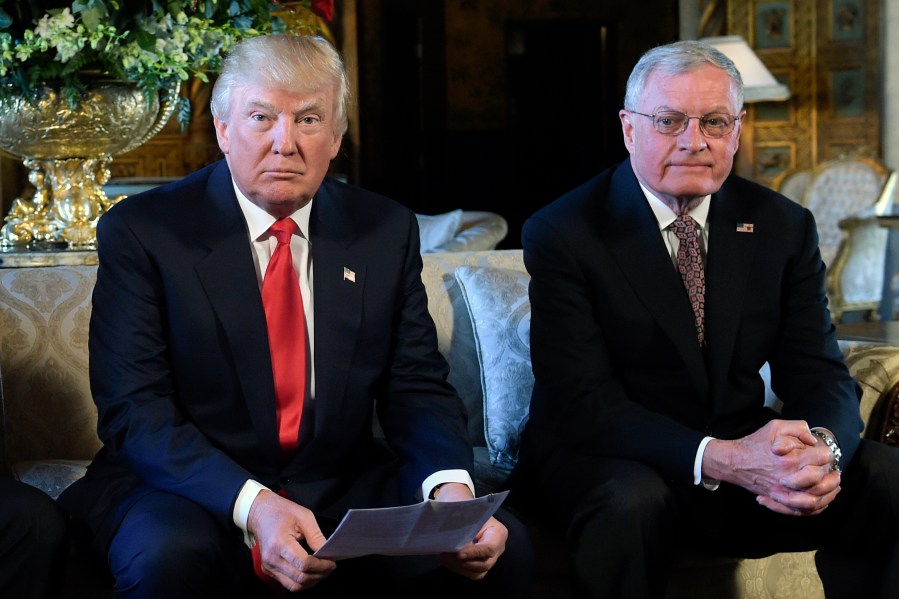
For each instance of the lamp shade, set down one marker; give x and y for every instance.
(759, 85)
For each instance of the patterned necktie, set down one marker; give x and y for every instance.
(286, 323)
(689, 264)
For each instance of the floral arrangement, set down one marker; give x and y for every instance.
(154, 44)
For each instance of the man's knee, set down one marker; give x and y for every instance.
(169, 545)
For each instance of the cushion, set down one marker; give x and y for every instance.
(50, 476)
(435, 230)
(497, 301)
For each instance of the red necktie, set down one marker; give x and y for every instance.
(689, 264)
(286, 324)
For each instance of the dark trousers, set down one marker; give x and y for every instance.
(625, 526)
(33, 542)
(168, 546)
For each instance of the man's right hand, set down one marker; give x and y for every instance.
(280, 527)
(782, 463)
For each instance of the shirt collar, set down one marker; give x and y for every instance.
(666, 216)
(259, 221)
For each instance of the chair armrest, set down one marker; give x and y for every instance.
(855, 278)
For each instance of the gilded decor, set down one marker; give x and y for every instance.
(67, 150)
(66, 127)
(828, 53)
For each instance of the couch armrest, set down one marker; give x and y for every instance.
(876, 368)
(884, 421)
(479, 231)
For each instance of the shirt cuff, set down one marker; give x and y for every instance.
(446, 476)
(241, 512)
(708, 483)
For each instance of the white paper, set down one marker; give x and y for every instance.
(424, 528)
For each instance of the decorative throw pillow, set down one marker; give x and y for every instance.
(435, 230)
(500, 312)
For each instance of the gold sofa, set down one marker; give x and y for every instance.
(479, 303)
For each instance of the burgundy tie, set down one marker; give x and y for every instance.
(286, 324)
(689, 264)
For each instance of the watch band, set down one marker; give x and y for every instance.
(831, 442)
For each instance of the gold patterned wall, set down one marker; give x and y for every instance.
(827, 52)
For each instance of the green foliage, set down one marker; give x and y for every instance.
(154, 44)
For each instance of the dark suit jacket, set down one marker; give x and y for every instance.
(618, 370)
(181, 372)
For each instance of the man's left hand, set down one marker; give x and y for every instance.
(474, 560)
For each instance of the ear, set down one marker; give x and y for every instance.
(335, 145)
(221, 135)
(742, 116)
(627, 129)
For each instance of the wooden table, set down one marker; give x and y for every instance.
(879, 331)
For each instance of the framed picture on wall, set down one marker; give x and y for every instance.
(847, 19)
(771, 159)
(773, 25)
(844, 148)
(847, 92)
(780, 113)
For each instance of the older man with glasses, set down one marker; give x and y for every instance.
(659, 289)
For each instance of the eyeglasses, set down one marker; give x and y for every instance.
(671, 122)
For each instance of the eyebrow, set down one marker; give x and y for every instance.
(305, 106)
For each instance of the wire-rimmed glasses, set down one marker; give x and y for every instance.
(671, 122)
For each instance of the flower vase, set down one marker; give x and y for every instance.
(67, 151)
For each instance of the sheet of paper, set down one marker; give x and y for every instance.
(425, 528)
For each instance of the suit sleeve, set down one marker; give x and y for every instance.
(140, 420)
(423, 417)
(808, 372)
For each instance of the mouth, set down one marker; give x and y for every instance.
(690, 165)
(283, 173)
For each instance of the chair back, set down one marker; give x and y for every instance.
(793, 183)
(840, 188)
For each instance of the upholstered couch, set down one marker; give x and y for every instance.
(479, 302)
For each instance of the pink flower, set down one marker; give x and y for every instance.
(323, 8)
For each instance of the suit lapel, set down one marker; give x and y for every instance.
(340, 278)
(732, 248)
(228, 276)
(636, 242)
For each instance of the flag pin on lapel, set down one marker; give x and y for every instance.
(745, 227)
(349, 275)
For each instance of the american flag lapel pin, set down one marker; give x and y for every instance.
(349, 275)
(745, 228)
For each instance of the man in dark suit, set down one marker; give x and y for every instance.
(194, 470)
(648, 432)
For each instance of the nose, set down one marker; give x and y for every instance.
(284, 137)
(692, 137)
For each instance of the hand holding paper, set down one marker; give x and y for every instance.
(429, 527)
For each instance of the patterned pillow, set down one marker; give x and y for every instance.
(500, 312)
(435, 230)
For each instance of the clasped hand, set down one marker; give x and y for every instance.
(783, 463)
